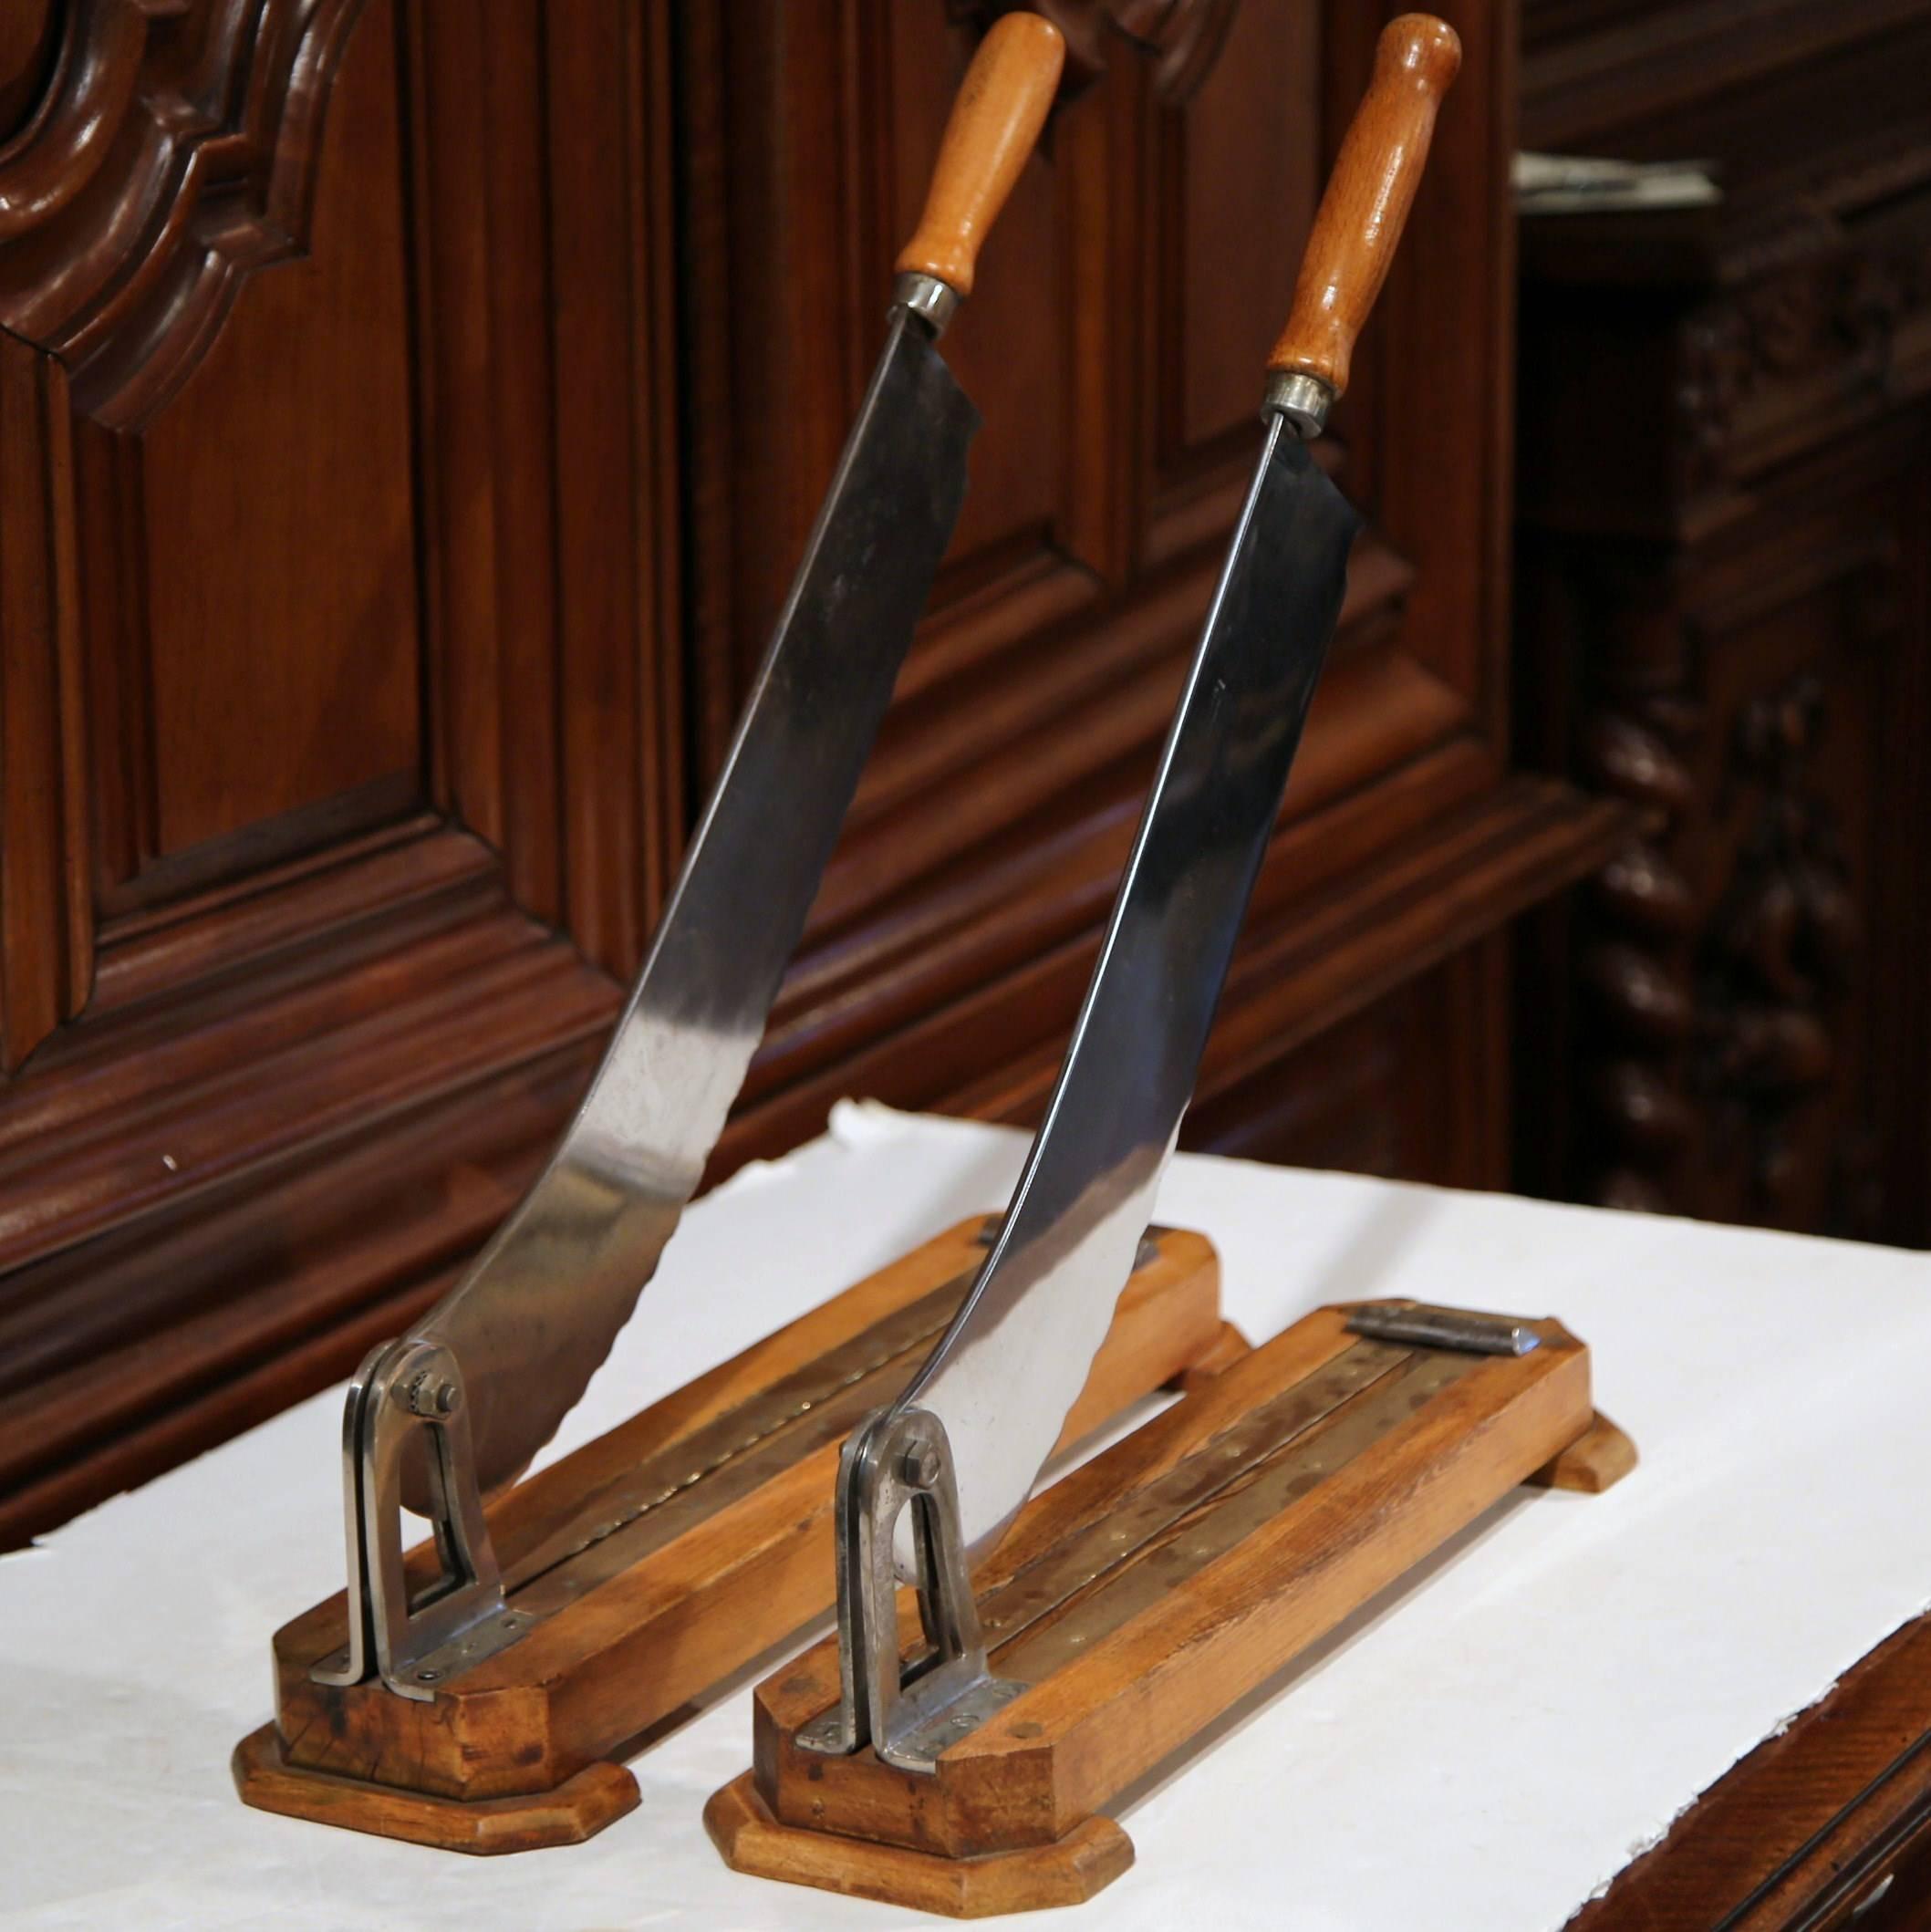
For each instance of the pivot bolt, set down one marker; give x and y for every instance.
(919, 1466)
(429, 1395)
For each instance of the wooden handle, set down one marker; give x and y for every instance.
(1367, 200)
(995, 121)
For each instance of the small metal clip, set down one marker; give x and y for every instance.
(892, 1460)
(1462, 1328)
(462, 1617)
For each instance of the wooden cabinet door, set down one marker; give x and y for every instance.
(1114, 342)
(412, 412)
(340, 742)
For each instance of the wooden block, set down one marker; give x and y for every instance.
(635, 1625)
(1149, 1591)
(1596, 1460)
(1229, 1347)
(1067, 1873)
(577, 1809)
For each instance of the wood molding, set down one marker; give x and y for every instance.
(157, 114)
(1310, 957)
(309, 1064)
(1586, 74)
(46, 941)
(211, 1201)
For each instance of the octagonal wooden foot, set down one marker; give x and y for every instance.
(1596, 1460)
(1068, 1873)
(575, 1810)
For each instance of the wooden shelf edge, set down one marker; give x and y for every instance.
(1809, 1823)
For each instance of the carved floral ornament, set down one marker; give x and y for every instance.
(171, 151)
(1757, 350)
(1183, 38)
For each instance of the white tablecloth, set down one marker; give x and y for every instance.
(1488, 1747)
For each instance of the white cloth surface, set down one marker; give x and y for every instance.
(1483, 1749)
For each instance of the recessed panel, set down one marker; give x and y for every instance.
(280, 601)
(1238, 172)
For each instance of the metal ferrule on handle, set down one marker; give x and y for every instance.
(1300, 400)
(927, 299)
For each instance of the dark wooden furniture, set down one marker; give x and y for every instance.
(1823, 1827)
(1723, 548)
(1724, 612)
(409, 416)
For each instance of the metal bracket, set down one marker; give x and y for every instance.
(462, 1617)
(1431, 1327)
(909, 1714)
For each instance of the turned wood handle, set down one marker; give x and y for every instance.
(995, 121)
(1367, 200)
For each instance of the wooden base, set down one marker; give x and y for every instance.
(1147, 1592)
(1066, 1873)
(1597, 1459)
(648, 1587)
(577, 1809)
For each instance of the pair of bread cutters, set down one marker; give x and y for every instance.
(479, 1692)
(953, 1746)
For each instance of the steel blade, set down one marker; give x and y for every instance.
(1004, 1375)
(538, 1310)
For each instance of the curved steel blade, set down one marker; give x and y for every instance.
(1005, 1374)
(536, 1315)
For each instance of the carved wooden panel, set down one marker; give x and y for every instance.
(323, 357)
(1726, 620)
(410, 415)
(1114, 344)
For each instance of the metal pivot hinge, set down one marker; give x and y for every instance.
(907, 1713)
(403, 1387)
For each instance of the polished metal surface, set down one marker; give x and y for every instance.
(897, 1466)
(1302, 400)
(934, 302)
(1007, 1371)
(537, 1312)
(492, 1369)
(1431, 1327)
(1148, 1252)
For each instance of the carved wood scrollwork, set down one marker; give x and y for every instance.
(1779, 951)
(1644, 914)
(28, 30)
(1182, 39)
(171, 151)
(1750, 363)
